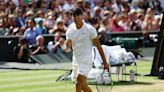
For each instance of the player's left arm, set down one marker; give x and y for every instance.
(96, 42)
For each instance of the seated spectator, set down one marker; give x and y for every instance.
(104, 37)
(3, 23)
(22, 51)
(96, 22)
(97, 11)
(156, 22)
(31, 32)
(29, 14)
(50, 20)
(59, 26)
(115, 26)
(139, 22)
(13, 29)
(54, 46)
(10, 6)
(40, 26)
(68, 6)
(40, 14)
(39, 47)
(53, 6)
(58, 45)
(20, 20)
(123, 23)
(147, 25)
(20, 31)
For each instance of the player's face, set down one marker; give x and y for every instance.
(77, 19)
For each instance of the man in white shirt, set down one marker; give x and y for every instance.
(81, 36)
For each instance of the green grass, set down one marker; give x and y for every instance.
(44, 81)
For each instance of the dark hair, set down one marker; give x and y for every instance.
(32, 20)
(77, 12)
(22, 40)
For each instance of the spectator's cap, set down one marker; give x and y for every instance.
(50, 13)
(39, 37)
(106, 12)
(59, 20)
(77, 12)
(31, 2)
(96, 8)
(80, 1)
(29, 13)
(39, 12)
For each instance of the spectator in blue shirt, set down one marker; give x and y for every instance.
(20, 20)
(31, 32)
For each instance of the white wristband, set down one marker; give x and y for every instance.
(64, 46)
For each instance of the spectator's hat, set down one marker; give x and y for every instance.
(59, 20)
(107, 12)
(96, 8)
(39, 12)
(29, 13)
(50, 14)
(80, 1)
(30, 2)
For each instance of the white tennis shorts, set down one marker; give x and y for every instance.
(81, 67)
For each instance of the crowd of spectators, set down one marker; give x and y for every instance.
(32, 18)
(49, 16)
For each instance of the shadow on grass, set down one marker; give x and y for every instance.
(118, 83)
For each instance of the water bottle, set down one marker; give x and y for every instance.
(132, 76)
(161, 68)
(161, 72)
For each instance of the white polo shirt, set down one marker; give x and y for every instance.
(81, 41)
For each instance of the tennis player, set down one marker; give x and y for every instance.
(81, 36)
